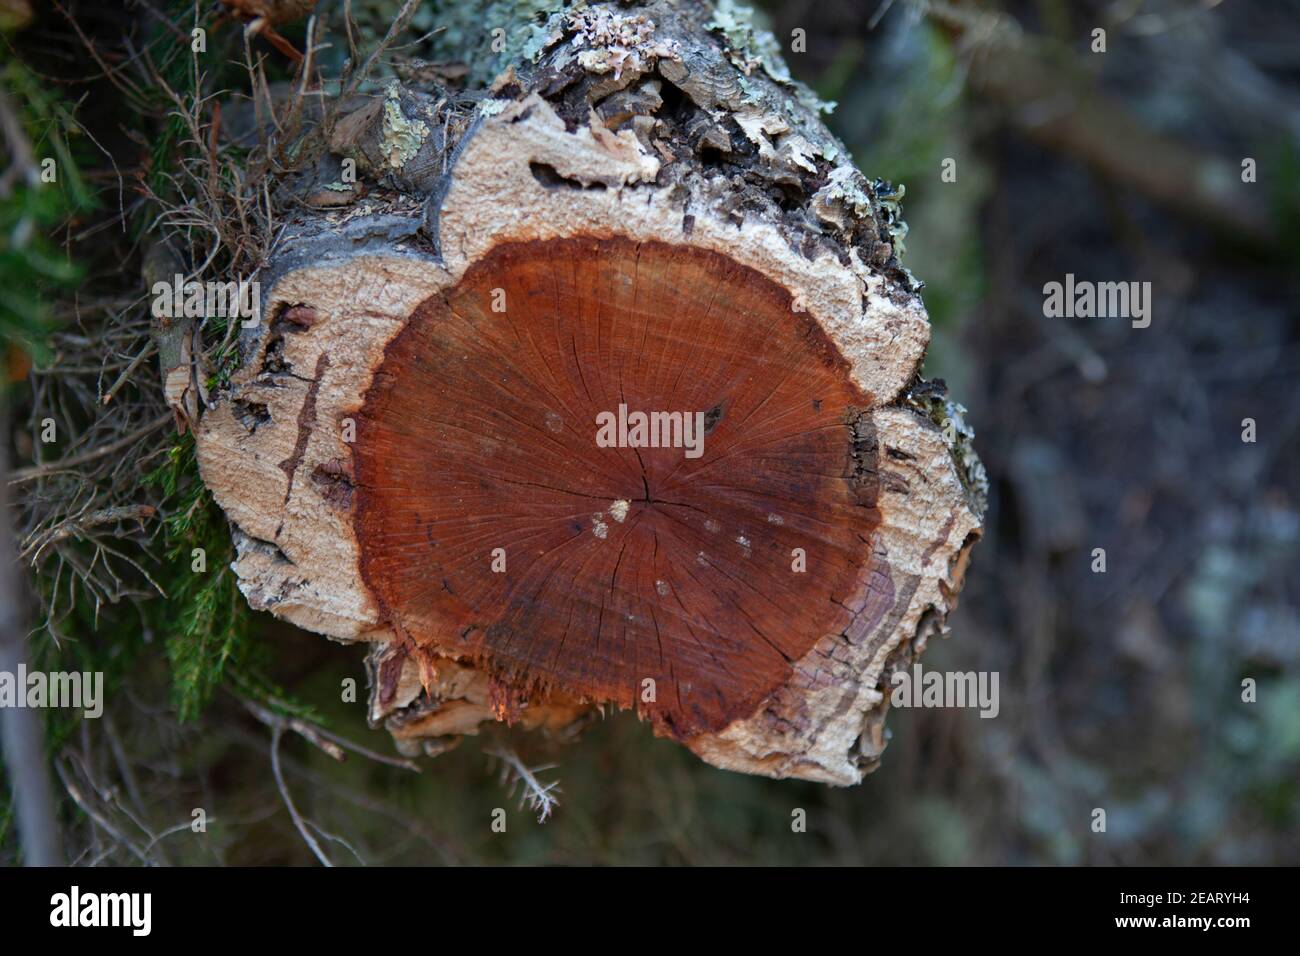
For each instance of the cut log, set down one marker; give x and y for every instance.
(605, 395)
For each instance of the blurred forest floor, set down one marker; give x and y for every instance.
(1119, 690)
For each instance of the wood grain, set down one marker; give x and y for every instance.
(479, 432)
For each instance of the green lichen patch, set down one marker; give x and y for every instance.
(750, 46)
(401, 137)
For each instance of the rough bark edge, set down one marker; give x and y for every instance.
(826, 724)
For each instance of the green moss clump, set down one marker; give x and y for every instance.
(210, 640)
(31, 264)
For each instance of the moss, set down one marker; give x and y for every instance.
(31, 264)
(210, 640)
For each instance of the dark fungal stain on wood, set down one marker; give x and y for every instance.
(306, 421)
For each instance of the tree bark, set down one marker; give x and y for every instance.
(640, 213)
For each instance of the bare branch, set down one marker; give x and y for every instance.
(539, 797)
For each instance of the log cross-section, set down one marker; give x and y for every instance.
(617, 565)
(619, 409)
